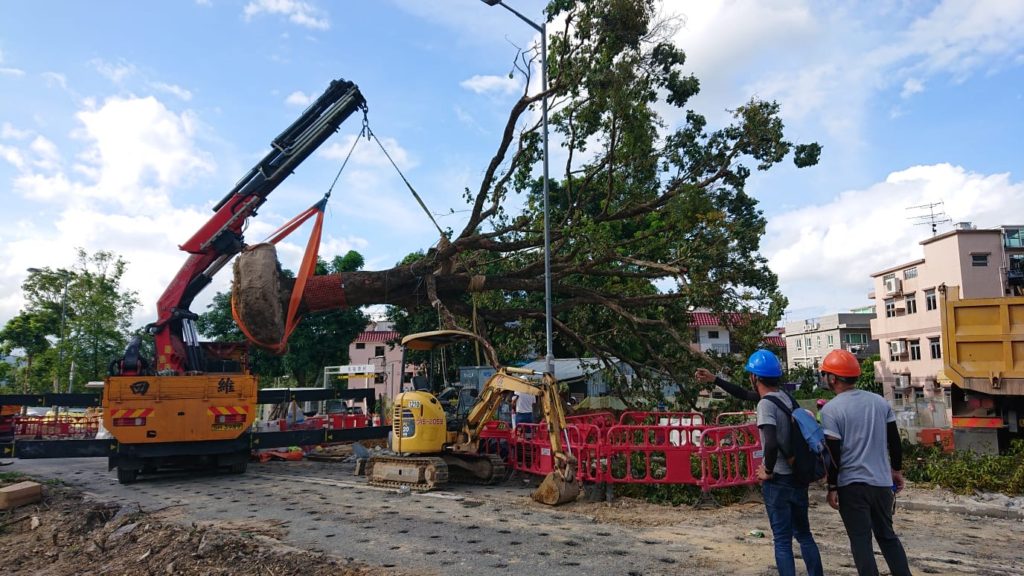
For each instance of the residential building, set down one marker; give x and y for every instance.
(983, 263)
(372, 347)
(710, 334)
(808, 341)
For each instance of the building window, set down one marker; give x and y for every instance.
(936, 348)
(918, 393)
(930, 303)
(888, 277)
(807, 341)
(713, 334)
(1014, 238)
(378, 351)
(910, 273)
(979, 260)
(911, 301)
(915, 349)
(831, 342)
(379, 378)
(890, 307)
(360, 345)
(855, 338)
(799, 344)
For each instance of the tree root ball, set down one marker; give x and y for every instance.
(257, 293)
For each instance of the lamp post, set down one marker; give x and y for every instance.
(63, 317)
(542, 28)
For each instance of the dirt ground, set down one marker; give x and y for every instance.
(68, 533)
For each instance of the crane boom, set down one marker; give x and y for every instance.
(220, 238)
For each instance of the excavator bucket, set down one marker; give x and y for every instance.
(558, 487)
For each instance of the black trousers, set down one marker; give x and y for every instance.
(867, 510)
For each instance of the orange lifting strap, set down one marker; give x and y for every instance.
(306, 269)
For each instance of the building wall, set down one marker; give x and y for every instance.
(371, 347)
(907, 322)
(808, 341)
(713, 338)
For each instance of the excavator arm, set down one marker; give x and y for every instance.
(559, 486)
(220, 238)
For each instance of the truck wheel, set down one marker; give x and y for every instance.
(127, 475)
(238, 467)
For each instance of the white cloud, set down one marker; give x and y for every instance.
(827, 62)
(12, 72)
(115, 72)
(9, 132)
(298, 98)
(910, 87)
(297, 12)
(824, 254)
(47, 156)
(12, 156)
(368, 154)
(56, 78)
(173, 89)
(489, 83)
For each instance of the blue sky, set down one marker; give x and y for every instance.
(122, 123)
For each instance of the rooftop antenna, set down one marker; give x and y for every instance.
(932, 217)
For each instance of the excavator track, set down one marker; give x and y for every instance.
(419, 473)
(475, 468)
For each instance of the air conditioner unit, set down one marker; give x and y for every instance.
(898, 347)
(893, 286)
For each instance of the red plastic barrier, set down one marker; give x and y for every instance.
(744, 417)
(651, 454)
(637, 418)
(729, 456)
(55, 428)
(343, 421)
(599, 419)
(531, 449)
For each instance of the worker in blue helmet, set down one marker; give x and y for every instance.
(784, 499)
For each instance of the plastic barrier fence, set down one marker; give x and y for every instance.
(729, 456)
(63, 427)
(647, 448)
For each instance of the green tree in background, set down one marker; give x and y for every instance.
(866, 381)
(319, 340)
(74, 322)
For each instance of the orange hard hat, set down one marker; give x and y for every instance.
(841, 363)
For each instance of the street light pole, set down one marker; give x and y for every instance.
(542, 28)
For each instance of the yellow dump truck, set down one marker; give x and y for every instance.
(983, 357)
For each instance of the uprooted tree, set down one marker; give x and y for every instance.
(647, 221)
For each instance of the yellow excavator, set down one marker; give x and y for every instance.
(430, 449)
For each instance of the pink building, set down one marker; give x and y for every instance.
(372, 348)
(907, 320)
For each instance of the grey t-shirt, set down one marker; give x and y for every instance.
(859, 418)
(770, 414)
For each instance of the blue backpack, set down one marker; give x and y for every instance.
(807, 453)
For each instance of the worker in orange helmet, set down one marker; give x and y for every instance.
(867, 459)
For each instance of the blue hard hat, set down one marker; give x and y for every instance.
(764, 363)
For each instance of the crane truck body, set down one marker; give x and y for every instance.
(192, 402)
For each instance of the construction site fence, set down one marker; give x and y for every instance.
(56, 427)
(646, 448)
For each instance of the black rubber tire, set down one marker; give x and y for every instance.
(127, 475)
(238, 467)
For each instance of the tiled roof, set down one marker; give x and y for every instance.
(775, 341)
(709, 319)
(377, 336)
